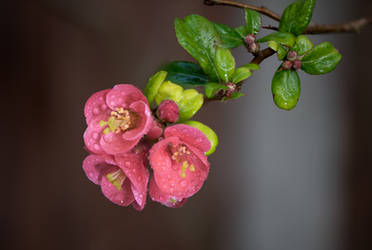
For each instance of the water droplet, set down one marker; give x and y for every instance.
(183, 183)
(96, 111)
(95, 136)
(96, 147)
(103, 106)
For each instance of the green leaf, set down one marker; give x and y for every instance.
(297, 16)
(322, 59)
(282, 52)
(198, 36)
(283, 38)
(185, 74)
(208, 132)
(302, 45)
(253, 21)
(190, 102)
(229, 36)
(169, 91)
(212, 88)
(286, 88)
(225, 64)
(244, 72)
(153, 86)
(236, 95)
(273, 45)
(242, 31)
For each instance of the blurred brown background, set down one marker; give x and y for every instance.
(279, 180)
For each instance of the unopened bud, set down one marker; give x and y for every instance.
(249, 39)
(292, 55)
(297, 64)
(231, 89)
(253, 48)
(287, 65)
(168, 111)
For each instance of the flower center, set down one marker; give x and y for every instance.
(120, 120)
(116, 178)
(180, 154)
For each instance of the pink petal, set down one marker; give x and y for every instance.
(122, 95)
(92, 137)
(123, 197)
(96, 106)
(138, 174)
(94, 166)
(156, 131)
(113, 143)
(168, 174)
(139, 198)
(145, 121)
(157, 195)
(190, 135)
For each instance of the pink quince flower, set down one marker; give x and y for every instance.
(179, 164)
(123, 178)
(117, 119)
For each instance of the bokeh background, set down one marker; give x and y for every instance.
(279, 180)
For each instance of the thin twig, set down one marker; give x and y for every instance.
(263, 10)
(350, 27)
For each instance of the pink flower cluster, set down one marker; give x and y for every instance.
(131, 153)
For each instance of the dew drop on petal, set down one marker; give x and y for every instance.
(96, 147)
(95, 135)
(183, 183)
(96, 111)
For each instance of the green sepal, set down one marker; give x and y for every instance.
(153, 86)
(297, 16)
(286, 88)
(302, 45)
(198, 36)
(322, 59)
(185, 74)
(208, 132)
(225, 64)
(253, 21)
(190, 102)
(212, 88)
(169, 91)
(283, 38)
(229, 36)
(244, 72)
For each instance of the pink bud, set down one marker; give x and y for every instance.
(249, 39)
(231, 89)
(287, 65)
(297, 64)
(168, 111)
(292, 55)
(253, 48)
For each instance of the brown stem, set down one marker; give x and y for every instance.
(263, 10)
